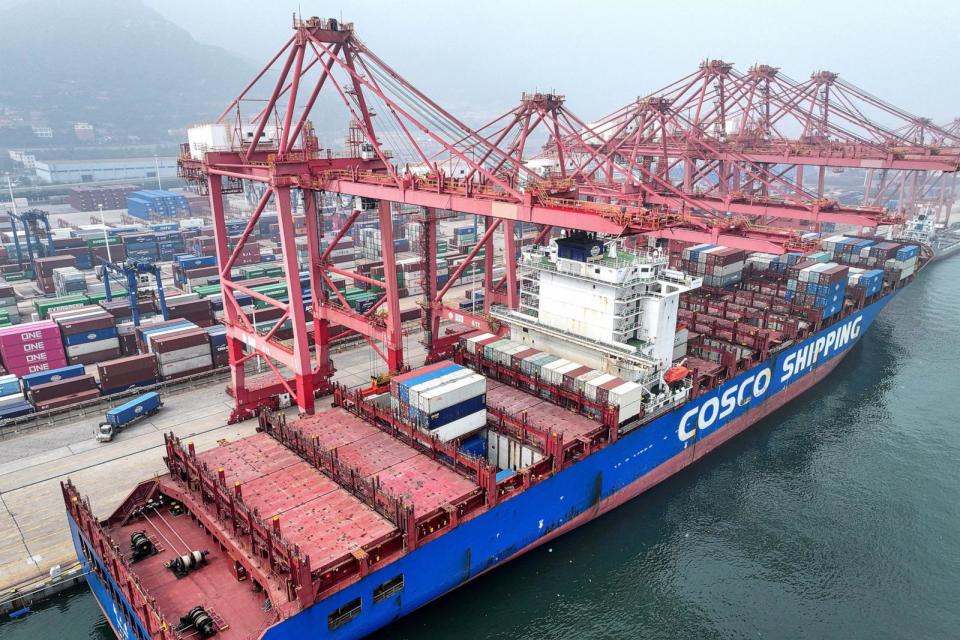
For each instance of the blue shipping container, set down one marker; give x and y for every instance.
(90, 336)
(129, 411)
(53, 375)
(445, 416)
(10, 387)
(475, 445)
(15, 410)
(405, 386)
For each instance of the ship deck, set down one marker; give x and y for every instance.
(402, 470)
(214, 586)
(540, 413)
(324, 519)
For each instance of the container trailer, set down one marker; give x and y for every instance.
(126, 414)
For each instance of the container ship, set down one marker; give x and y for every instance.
(621, 367)
(943, 240)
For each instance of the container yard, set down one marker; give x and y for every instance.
(329, 382)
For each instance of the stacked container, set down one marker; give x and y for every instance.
(43, 270)
(772, 263)
(120, 309)
(191, 307)
(181, 350)
(903, 264)
(8, 303)
(69, 281)
(169, 243)
(559, 372)
(141, 246)
(217, 335)
(869, 280)
(126, 373)
(63, 392)
(32, 347)
(152, 204)
(445, 400)
(12, 401)
(90, 198)
(817, 284)
(89, 334)
(718, 266)
(370, 243)
(464, 236)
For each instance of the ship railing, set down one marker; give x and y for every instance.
(262, 541)
(448, 454)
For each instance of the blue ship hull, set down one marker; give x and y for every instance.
(597, 483)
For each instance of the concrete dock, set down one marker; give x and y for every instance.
(34, 537)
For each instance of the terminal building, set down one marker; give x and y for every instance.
(74, 171)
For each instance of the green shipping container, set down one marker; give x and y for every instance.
(207, 290)
(94, 298)
(44, 306)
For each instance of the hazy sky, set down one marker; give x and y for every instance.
(602, 54)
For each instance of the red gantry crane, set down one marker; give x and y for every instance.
(406, 150)
(745, 141)
(276, 148)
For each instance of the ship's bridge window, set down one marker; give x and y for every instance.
(388, 588)
(342, 615)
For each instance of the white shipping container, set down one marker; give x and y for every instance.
(506, 453)
(546, 371)
(414, 392)
(579, 384)
(93, 347)
(471, 343)
(461, 427)
(173, 368)
(590, 388)
(187, 353)
(497, 347)
(626, 394)
(452, 394)
(505, 356)
(629, 411)
(556, 375)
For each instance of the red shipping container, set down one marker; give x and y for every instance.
(50, 390)
(93, 358)
(130, 364)
(179, 340)
(65, 401)
(83, 325)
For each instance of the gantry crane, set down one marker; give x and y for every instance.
(408, 151)
(133, 271)
(30, 221)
